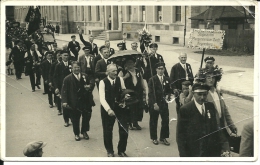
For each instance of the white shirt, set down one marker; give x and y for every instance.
(160, 78)
(88, 61)
(49, 61)
(105, 60)
(66, 63)
(184, 66)
(77, 76)
(216, 99)
(134, 78)
(199, 107)
(102, 96)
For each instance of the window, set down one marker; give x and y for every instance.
(89, 13)
(157, 38)
(178, 13)
(175, 40)
(98, 13)
(143, 13)
(159, 13)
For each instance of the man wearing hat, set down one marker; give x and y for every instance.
(45, 68)
(209, 62)
(120, 46)
(34, 149)
(86, 62)
(159, 91)
(197, 132)
(77, 97)
(62, 69)
(180, 72)
(94, 48)
(110, 50)
(74, 48)
(151, 60)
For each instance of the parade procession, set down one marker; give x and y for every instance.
(112, 97)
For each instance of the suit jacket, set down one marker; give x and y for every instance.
(51, 72)
(17, 55)
(100, 70)
(198, 136)
(247, 140)
(60, 72)
(86, 43)
(74, 93)
(72, 48)
(178, 75)
(153, 60)
(158, 90)
(84, 67)
(98, 57)
(45, 67)
(30, 67)
(226, 121)
(111, 51)
(94, 50)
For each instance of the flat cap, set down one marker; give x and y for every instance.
(159, 64)
(120, 44)
(64, 52)
(86, 48)
(72, 36)
(200, 87)
(101, 47)
(32, 147)
(153, 45)
(187, 83)
(209, 58)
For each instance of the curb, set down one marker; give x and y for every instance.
(243, 96)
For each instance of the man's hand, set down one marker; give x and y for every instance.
(64, 104)
(96, 79)
(80, 31)
(87, 87)
(46, 82)
(111, 112)
(57, 91)
(126, 76)
(233, 129)
(156, 107)
(50, 84)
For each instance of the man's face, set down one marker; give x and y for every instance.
(200, 97)
(154, 49)
(120, 47)
(91, 39)
(134, 47)
(86, 51)
(75, 69)
(130, 64)
(209, 64)
(73, 38)
(210, 80)
(59, 57)
(183, 58)
(105, 53)
(185, 90)
(112, 73)
(160, 70)
(65, 57)
(49, 56)
(107, 44)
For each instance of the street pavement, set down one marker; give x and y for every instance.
(238, 78)
(28, 118)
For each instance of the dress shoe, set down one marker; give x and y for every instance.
(85, 135)
(110, 154)
(155, 142)
(77, 138)
(165, 142)
(20, 78)
(38, 86)
(122, 154)
(66, 124)
(59, 113)
(131, 127)
(136, 126)
(44, 93)
(33, 90)
(51, 106)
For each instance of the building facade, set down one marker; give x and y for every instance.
(167, 24)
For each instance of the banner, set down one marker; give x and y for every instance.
(205, 38)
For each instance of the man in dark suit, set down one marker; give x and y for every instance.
(180, 72)
(62, 69)
(159, 89)
(197, 132)
(74, 48)
(51, 82)
(45, 67)
(152, 59)
(110, 50)
(99, 56)
(77, 96)
(86, 62)
(94, 48)
(110, 90)
(101, 66)
(86, 43)
(17, 55)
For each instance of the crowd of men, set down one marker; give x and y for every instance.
(69, 79)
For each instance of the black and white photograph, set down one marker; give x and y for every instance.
(142, 80)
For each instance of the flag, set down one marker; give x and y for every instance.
(33, 17)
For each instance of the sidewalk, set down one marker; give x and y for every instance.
(236, 81)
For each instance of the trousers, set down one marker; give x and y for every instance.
(75, 117)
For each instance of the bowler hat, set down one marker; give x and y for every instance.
(153, 45)
(86, 48)
(200, 87)
(32, 147)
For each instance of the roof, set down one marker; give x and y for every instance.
(222, 12)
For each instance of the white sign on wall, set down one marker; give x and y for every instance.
(206, 38)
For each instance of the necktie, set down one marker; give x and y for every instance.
(161, 80)
(78, 77)
(203, 111)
